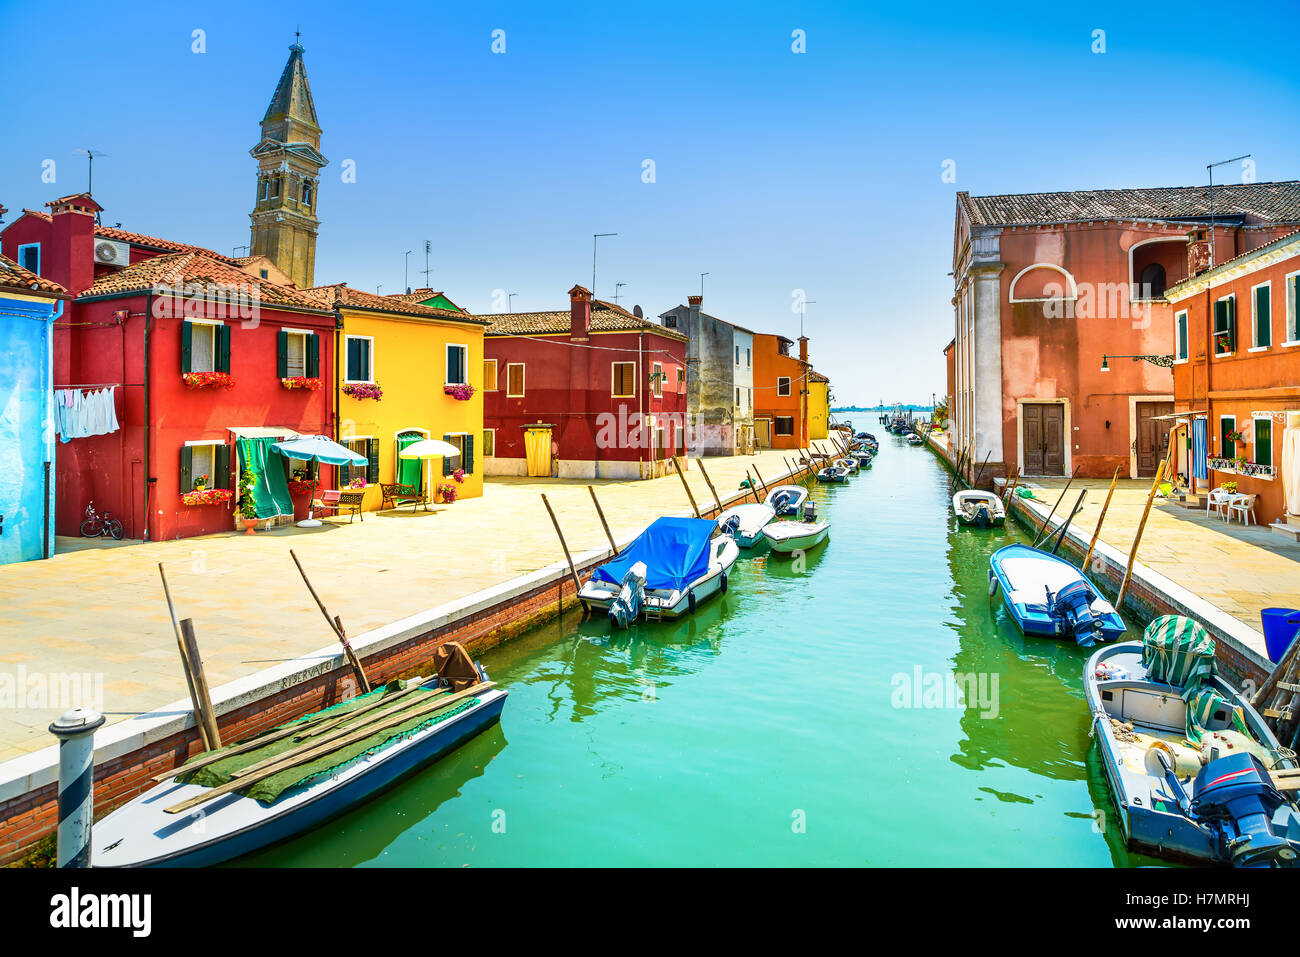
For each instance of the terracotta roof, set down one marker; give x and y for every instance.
(605, 317)
(344, 294)
(1257, 203)
(1218, 268)
(815, 376)
(15, 276)
(177, 268)
(140, 239)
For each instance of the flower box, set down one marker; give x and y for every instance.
(207, 496)
(208, 380)
(461, 393)
(301, 486)
(363, 390)
(301, 382)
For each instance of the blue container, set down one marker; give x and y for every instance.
(1280, 627)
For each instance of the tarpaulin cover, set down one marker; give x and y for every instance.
(675, 552)
(1178, 651)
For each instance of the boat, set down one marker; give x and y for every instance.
(796, 536)
(833, 473)
(914, 439)
(864, 459)
(177, 824)
(1047, 596)
(849, 465)
(1195, 772)
(786, 499)
(975, 507)
(744, 523)
(664, 573)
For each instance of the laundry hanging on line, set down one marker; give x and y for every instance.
(79, 415)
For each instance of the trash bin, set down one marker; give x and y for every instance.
(1280, 627)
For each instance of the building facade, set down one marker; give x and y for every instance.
(428, 364)
(1047, 285)
(592, 392)
(29, 307)
(719, 379)
(1237, 378)
(780, 392)
(819, 405)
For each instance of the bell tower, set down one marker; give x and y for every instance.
(288, 175)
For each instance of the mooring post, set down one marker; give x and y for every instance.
(76, 734)
(686, 485)
(709, 482)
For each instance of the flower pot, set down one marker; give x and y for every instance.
(250, 524)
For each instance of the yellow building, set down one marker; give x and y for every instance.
(416, 356)
(819, 405)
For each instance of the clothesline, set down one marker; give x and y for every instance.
(80, 415)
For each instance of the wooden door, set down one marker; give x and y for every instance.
(763, 433)
(1043, 438)
(1152, 439)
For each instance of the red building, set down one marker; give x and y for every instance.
(594, 392)
(199, 352)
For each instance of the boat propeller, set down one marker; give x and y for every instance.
(630, 601)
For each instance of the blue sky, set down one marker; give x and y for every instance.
(775, 171)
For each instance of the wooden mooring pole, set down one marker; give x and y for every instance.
(978, 475)
(761, 483)
(1137, 539)
(601, 514)
(686, 485)
(577, 582)
(336, 624)
(1096, 534)
(709, 482)
(203, 718)
(1043, 529)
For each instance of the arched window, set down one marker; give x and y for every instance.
(1152, 283)
(306, 193)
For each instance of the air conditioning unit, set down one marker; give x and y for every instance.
(112, 252)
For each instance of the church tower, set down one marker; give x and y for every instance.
(288, 176)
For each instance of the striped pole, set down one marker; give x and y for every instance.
(76, 734)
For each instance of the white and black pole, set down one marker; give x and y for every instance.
(76, 734)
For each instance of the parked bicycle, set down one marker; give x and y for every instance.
(97, 526)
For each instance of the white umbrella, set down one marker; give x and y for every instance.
(428, 449)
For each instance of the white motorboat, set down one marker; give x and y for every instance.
(833, 473)
(849, 465)
(744, 523)
(671, 566)
(787, 537)
(786, 499)
(974, 507)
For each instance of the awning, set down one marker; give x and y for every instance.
(261, 432)
(1179, 415)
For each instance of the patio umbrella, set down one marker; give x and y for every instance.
(307, 448)
(428, 449)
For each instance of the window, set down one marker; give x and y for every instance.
(205, 346)
(737, 355)
(1262, 312)
(465, 460)
(29, 257)
(624, 380)
(489, 375)
(515, 380)
(306, 192)
(266, 190)
(737, 395)
(748, 360)
(199, 459)
(1180, 335)
(369, 473)
(670, 322)
(298, 354)
(1264, 441)
(360, 367)
(1292, 307)
(1225, 326)
(264, 273)
(1152, 282)
(783, 386)
(785, 425)
(1227, 447)
(749, 394)
(489, 443)
(658, 376)
(457, 364)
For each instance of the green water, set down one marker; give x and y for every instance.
(770, 728)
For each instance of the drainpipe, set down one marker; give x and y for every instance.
(49, 431)
(148, 421)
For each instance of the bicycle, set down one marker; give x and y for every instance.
(97, 526)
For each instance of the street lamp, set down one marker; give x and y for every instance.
(1164, 362)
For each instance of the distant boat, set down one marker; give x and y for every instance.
(975, 507)
(787, 537)
(671, 566)
(833, 474)
(914, 439)
(744, 523)
(786, 499)
(1195, 772)
(849, 465)
(1047, 596)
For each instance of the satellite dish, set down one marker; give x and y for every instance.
(636, 311)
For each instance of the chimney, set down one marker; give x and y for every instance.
(71, 256)
(579, 313)
(803, 349)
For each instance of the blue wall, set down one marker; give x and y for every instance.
(26, 428)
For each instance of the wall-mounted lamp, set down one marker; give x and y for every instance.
(1163, 362)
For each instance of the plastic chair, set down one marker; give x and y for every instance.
(1218, 499)
(1243, 506)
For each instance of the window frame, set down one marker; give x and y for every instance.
(22, 248)
(1291, 310)
(346, 478)
(1254, 316)
(446, 360)
(1223, 452)
(347, 338)
(658, 374)
(523, 380)
(613, 380)
(490, 381)
(1182, 337)
(301, 335)
(1232, 327)
(212, 445)
(776, 425)
(788, 384)
(1255, 420)
(489, 443)
(210, 327)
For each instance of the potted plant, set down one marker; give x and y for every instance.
(447, 493)
(247, 500)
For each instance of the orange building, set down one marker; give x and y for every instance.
(1237, 377)
(780, 392)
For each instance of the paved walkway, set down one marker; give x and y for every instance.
(1241, 569)
(99, 610)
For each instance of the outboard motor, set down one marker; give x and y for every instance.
(982, 518)
(1256, 825)
(731, 526)
(1071, 608)
(809, 510)
(781, 503)
(627, 606)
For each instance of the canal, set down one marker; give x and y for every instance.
(811, 716)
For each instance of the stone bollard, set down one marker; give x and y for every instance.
(76, 734)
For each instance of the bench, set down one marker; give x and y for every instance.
(338, 501)
(396, 495)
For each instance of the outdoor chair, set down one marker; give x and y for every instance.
(1243, 507)
(336, 501)
(1218, 500)
(396, 495)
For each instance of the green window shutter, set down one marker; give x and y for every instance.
(223, 348)
(221, 468)
(1264, 442)
(313, 355)
(446, 459)
(469, 454)
(187, 466)
(1263, 318)
(282, 354)
(1182, 338)
(187, 336)
(372, 461)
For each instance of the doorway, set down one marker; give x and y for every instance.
(1151, 439)
(1042, 431)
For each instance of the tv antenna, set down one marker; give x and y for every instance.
(428, 248)
(90, 155)
(617, 287)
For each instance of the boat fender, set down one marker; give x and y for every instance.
(690, 601)
(724, 588)
(993, 584)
